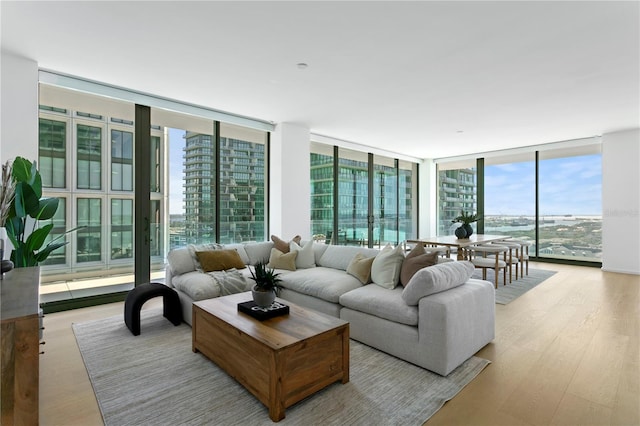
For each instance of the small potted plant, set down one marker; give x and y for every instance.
(266, 287)
(465, 230)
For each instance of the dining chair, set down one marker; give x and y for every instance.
(513, 258)
(484, 262)
(524, 255)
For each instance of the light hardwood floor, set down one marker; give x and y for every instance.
(565, 353)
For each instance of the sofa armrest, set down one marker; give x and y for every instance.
(455, 324)
(168, 276)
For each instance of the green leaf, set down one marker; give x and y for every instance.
(37, 238)
(26, 201)
(45, 252)
(21, 170)
(15, 229)
(47, 208)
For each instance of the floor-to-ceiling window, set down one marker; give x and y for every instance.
(87, 158)
(385, 201)
(456, 192)
(570, 204)
(353, 197)
(243, 177)
(407, 200)
(362, 199)
(322, 191)
(550, 195)
(509, 195)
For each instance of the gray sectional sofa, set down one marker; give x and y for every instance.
(437, 321)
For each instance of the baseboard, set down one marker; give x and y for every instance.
(620, 271)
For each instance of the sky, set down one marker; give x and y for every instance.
(571, 185)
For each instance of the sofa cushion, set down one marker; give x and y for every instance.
(339, 257)
(435, 279)
(360, 267)
(417, 259)
(258, 252)
(385, 270)
(180, 261)
(239, 247)
(280, 260)
(324, 283)
(318, 251)
(283, 245)
(381, 302)
(219, 260)
(197, 285)
(305, 258)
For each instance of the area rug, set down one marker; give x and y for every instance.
(155, 379)
(516, 288)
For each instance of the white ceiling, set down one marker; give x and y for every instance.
(425, 79)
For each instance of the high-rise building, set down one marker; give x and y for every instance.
(242, 196)
(456, 193)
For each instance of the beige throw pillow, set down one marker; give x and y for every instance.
(280, 260)
(360, 267)
(385, 270)
(417, 259)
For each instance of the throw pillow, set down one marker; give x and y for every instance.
(282, 245)
(193, 248)
(360, 267)
(417, 259)
(219, 260)
(280, 260)
(385, 270)
(435, 279)
(180, 261)
(306, 257)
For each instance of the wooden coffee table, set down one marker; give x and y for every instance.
(280, 360)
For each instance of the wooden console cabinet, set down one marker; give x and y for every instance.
(20, 335)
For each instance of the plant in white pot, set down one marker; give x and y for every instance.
(27, 208)
(266, 287)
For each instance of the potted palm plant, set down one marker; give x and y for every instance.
(266, 287)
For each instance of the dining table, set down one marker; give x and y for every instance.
(461, 244)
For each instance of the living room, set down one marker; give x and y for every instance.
(608, 116)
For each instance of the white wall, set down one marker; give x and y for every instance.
(621, 202)
(18, 108)
(290, 188)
